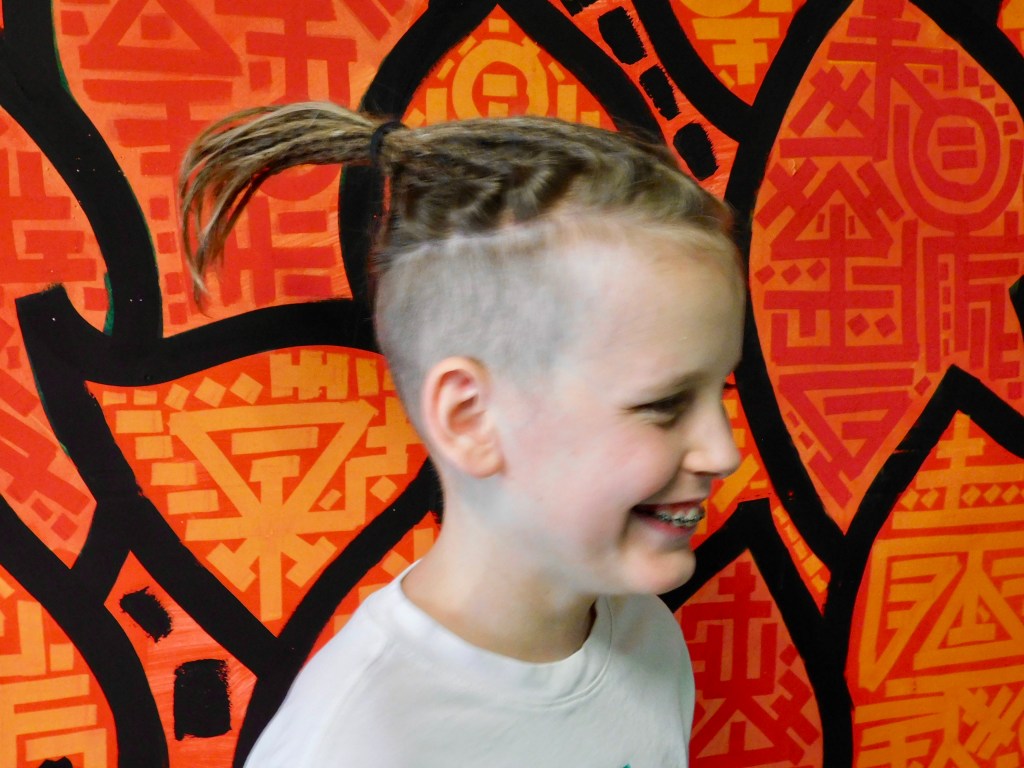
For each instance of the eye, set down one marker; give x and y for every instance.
(668, 410)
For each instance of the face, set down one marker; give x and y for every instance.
(630, 427)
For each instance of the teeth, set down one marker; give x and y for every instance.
(686, 518)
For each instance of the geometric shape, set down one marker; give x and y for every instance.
(72, 23)
(210, 392)
(422, 540)
(202, 705)
(96, 300)
(694, 146)
(144, 397)
(858, 324)
(62, 657)
(173, 473)
(176, 397)
(167, 242)
(114, 398)
(139, 421)
(765, 273)
(494, 26)
(851, 149)
(174, 284)
(65, 527)
(655, 83)
(160, 208)
(313, 374)
(274, 440)
(791, 273)
(151, 447)
(367, 378)
(276, 514)
(976, 616)
(886, 326)
(148, 613)
(496, 85)
(383, 488)
(733, 725)
(205, 52)
(246, 388)
(192, 502)
(620, 33)
(238, 573)
(817, 269)
(916, 585)
(369, 15)
(393, 563)
(329, 499)
(40, 508)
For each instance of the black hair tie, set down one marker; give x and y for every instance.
(377, 138)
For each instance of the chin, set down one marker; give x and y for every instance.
(659, 576)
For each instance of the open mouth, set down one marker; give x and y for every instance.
(677, 515)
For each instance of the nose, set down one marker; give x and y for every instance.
(712, 450)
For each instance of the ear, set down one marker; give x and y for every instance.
(457, 398)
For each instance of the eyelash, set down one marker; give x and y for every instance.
(667, 412)
(671, 408)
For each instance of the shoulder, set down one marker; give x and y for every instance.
(348, 677)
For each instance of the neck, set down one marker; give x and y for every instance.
(494, 600)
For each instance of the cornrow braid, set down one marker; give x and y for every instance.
(473, 175)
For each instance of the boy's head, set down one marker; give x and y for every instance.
(560, 307)
(563, 346)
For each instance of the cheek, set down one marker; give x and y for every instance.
(650, 463)
(604, 489)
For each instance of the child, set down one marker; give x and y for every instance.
(560, 307)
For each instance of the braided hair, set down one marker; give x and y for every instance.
(463, 261)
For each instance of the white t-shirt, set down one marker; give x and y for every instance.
(395, 689)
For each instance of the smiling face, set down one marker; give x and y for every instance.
(629, 427)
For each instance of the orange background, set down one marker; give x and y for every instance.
(200, 498)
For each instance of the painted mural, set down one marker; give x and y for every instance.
(193, 500)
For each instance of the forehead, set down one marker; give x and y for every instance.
(657, 306)
(634, 266)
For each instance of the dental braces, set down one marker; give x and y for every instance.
(681, 519)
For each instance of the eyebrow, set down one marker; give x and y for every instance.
(678, 385)
(672, 387)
